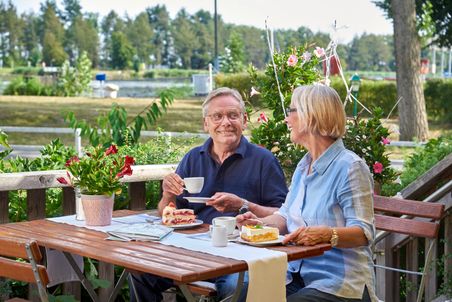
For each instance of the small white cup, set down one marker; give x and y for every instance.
(219, 235)
(228, 222)
(194, 184)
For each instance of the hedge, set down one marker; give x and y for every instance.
(383, 94)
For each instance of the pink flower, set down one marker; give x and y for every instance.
(319, 52)
(62, 180)
(254, 92)
(262, 118)
(378, 167)
(111, 150)
(385, 141)
(307, 56)
(292, 61)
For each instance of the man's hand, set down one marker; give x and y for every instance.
(173, 185)
(225, 202)
(310, 235)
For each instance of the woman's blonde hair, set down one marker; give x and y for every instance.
(321, 108)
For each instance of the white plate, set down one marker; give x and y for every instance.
(183, 226)
(198, 199)
(263, 243)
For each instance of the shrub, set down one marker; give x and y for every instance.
(420, 162)
(26, 70)
(27, 86)
(382, 94)
(171, 73)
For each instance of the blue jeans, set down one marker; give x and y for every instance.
(297, 292)
(149, 287)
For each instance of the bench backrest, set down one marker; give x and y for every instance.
(420, 218)
(12, 249)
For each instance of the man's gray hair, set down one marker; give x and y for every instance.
(222, 91)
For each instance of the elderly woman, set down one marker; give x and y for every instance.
(329, 201)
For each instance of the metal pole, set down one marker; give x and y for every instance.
(434, 60)
(450, 62)
(355, 103)
(441, 71)
(216, 38)
(210, 78)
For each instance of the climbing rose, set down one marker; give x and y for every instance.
(378, 167)
(292, 61)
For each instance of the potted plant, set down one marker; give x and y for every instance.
(97, 174)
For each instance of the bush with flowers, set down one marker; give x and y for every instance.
(299, 66)
(99, 171)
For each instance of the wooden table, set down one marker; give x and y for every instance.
(180, 265)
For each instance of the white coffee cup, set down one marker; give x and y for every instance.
(228, 222)
(194, 184)
(219, 235)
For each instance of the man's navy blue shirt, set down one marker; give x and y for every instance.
(252, 172)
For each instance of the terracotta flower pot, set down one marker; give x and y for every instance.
(98, 209)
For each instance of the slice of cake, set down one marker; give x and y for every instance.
(258, 233)
(173, 216)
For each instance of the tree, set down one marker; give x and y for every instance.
(121, 51)
(185, 39)
(412, 112)
(441, 17)
(52, 35)
(110, 24)
(30, 39)
(162, 40)
(140, 33)
(85, 39)
(232, 61)
(11, 33)
(370, 52)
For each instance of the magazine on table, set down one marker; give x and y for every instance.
(140, 232)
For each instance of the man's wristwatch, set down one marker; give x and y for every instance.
(334, 237)
(245, 206)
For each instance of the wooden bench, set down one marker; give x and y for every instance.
(412, 218)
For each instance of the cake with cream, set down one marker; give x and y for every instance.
(173, 216)
(259, 233)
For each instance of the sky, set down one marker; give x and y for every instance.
(353, 17)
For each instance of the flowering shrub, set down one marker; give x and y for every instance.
(98, 172)
(368, 139)
(295, 67)
(299, 66)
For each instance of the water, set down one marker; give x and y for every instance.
(141, 89)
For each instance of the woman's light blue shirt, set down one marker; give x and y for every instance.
(337, 193)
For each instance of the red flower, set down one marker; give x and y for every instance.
(111, 150)
(378, 167)
(71, 160)
(262, 118)
(129, 161)
(126, 170)
(62, 180)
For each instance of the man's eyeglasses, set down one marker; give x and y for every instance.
(218, 117)
(289, 110)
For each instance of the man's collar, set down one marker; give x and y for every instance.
(241, 149)
(324, 161)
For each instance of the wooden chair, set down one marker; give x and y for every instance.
(12, 249)
(412, 218)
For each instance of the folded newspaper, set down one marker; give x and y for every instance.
(140, 232)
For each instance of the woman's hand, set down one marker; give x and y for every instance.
(246, 219)
(310, 235)
(225, 202)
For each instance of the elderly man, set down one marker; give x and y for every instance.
(238, 175)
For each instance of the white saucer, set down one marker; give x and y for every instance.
(263, 243)
(183, 226)
(198, 199)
